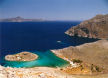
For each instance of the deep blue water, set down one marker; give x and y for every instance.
(36, 36)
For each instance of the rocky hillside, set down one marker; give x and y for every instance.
(40, 72)
(96, 27)
(95, 53)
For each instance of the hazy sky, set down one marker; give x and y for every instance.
(53, 9)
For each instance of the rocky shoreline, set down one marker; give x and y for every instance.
(96, 27)
(84, 55)
(23, 56)
(78, 68)
(89, 60)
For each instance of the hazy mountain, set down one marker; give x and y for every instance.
(19, 19)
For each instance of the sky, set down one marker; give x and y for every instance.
(53, 9)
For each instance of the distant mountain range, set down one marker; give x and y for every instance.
(20, 19)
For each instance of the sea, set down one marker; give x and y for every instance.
(39, 38)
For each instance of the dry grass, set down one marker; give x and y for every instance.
(95, 53)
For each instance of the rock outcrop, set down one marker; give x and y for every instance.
(96, 27)
(23, 56)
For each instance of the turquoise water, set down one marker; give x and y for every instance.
(47, 59)
(41, 36)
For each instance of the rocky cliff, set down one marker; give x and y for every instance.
(96, 27)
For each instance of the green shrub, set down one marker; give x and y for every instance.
(76, 61)
(97, 69)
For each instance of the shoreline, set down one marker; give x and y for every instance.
(22, 56)
(73, 70)
(77, 54)
(37, 62)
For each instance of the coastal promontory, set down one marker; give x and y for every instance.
(97, 27)
(91, 56)
(23, 56)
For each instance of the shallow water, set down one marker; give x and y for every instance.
(37, 37)
(47, 59)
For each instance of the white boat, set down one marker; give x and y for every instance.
(59, 41)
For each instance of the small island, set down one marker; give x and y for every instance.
(89, 60)
(23, 56)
